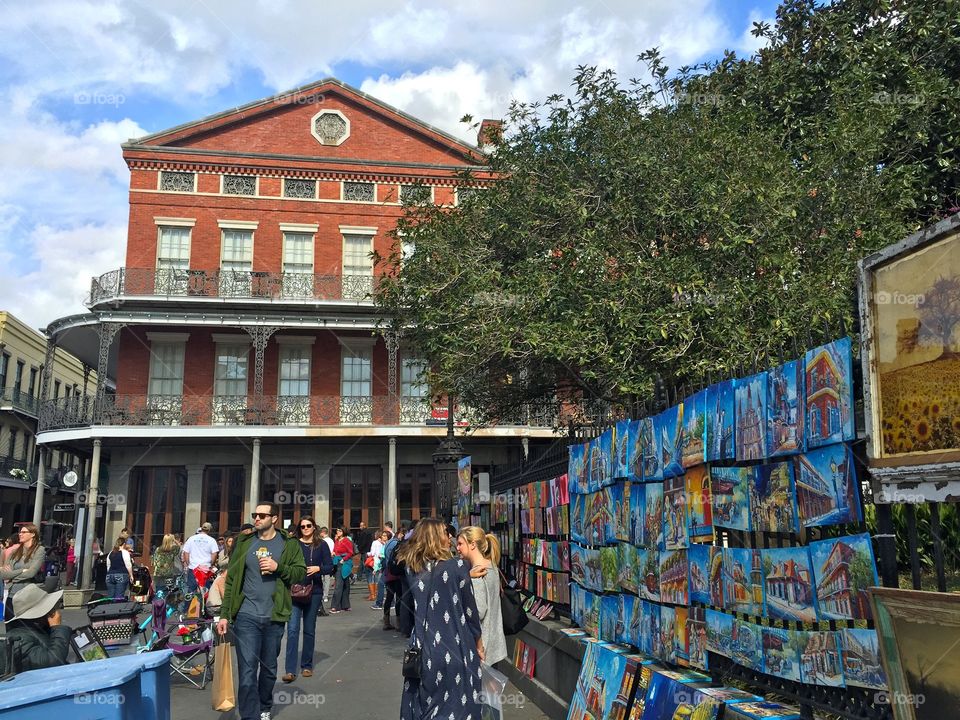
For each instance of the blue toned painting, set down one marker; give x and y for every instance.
(781, 656)
(743, 580)
(828, 381)
(720, 412)
(843, 569)
(789, 590)
(675, 512)
(621, 455)
(719, 632)
(772, 506)
(751, 417)
(671, 423)
(693, 434)
(827, 490)
(638, 494)
(698, 556)
(730, 488)
(634, 452)
(785, 411)
(649, 441)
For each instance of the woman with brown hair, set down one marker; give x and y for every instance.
(482, 551)
(317, 558)
(119, 569)
(446, 629)
(166, 564)
(22, 565)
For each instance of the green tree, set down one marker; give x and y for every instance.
(696, 223)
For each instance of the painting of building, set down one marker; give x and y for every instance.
(699, 504)
(621, 443)
(653, 516)
(861, 658)
(670, 427)
(648, 564)
(697, 637)
(675, 512)
(668, 631)
(788, 584)
(780, 656)
(828, 383)
(715, 569)
(772, 494)
(649, 449)
(827, 490)
(674, 577)
(751, 417)
(844, 568)
(820, 658)
(628, 571)
(693, 434)
(649, 628)
(719, 632)
(745, 645)
(730, 492)
(638, 493)
(698, 557)
(743, 580)
(785, 411)
(720, 412)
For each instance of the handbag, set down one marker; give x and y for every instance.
(301, 591)
(224, 695)
(368, 562)
(511, 608)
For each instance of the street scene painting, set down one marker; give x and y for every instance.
(785, 411)
(827, 490)
(620, 495)
(464, 499)
(746, 645)
(621, 452)
(638, 494)
(648, 440)
(674, 577)
(843, 569)
(668, 631)
(743, 580)
(697, 637)
(670, 427)
(675, 512)
(634, 455)
(601, 459)
(698, 557)
(772, 507)
(789, 590)
(720, 422)
(781, 654)
(715, 576)
(730, 490)
(699, 504)
(653, 516)
(628, 572)
(821, 662)
(751, 417)
(719, 632)
(862, 665)
(694, 432)
(599, 692)
(648, 569)
(649, 627)
(828, 386)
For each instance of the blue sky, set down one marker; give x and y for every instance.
(79, 77)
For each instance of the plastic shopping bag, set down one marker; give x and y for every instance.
(492, 683)
(224, 695)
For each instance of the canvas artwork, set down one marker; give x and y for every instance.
(743, 580)
(681, 640)
(591, 613)
(827, 490)
(789, 591)
(761, 710)
(730, 491)
(674, 577)
(604, 686)
(578, 507)
(577, 469)
(629, 573)
(670, 425)
(843, 569)
(693, 436)
(648, 442)
(649, 628)
(719, 632)
(648, 571)
(668, 632)
(621, 454)
(609, 611)
(727, 695)
(720, 411)
(620, 494)
(598, 523)
(781, 653)
(820, 657)
(862, 665)
(592, 570)
(603, 463)
(698, 557)
(772, 494)
(697, 637)
(715, 576)
(746, 645)
(464, 497)
(675, 512)
(653, 515)
(634, 454)
(624, 618)
(588, 666)
(828, 383)
(578, 564)
(785, 410)
(609, 568)
(751, 417)
(699, 504)
(637, 500)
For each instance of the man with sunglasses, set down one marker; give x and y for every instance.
(256, 601)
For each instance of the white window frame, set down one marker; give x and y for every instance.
(350, 231)
(237, 226)
(173, 279)
(165, 408)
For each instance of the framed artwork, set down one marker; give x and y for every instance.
(719, 632)
(746, 645)
(743, 580)
(919, 633)
(828, 385)
(620, 494)
(781, 654)
(772, 507)
(609, 568)
(668, 632)
(699, 504)
(720, 411)
(789, 590)
(844, 568)
(698, 557)
(674, 577)
(670, 427)
(820, 657)
(730, 488)
(862, 665)
(693, 433)
(751, 417)
(675, 512)
(648, 574)
(598, 525)
(785, 409)
(87, 645)
(827, 491)
(621, 455)
(653, 512)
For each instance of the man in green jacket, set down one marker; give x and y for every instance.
(256, 601)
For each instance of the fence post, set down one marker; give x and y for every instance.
(937, 546)
(913, 542)
(887, 545)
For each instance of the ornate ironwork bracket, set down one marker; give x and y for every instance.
(392, 339)
(261, 336)
(107, 332)
(47, 369)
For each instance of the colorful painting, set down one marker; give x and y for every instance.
(697, 637)
(785, 411)
(843, 569)
(715, 577)
(578, 564)
(668, 631)
(675, 512)
(699, 504)
(620, 494)
(720, 421)
(592, 570)
(772, 493)
(698, 557)
(746, 645)
(862, 665)
(821, 661)
(591, 613)
(610, 568)
(719, 632)
(464, 498)
(629, 573)
(789, 590)
(649, 627)
(681, 640)
(621, 444)
(743, 580)
(634, 454)
(730, 490)
(599, 517)
(727, 695)
(781, 654)
(674, 577)
(624, 617)
(649, 442)
(693, 435)
(609, 611)
(751, 417)
(648, 573)
(828, 382)
(577, 469)
(827, 490)
(653, 516)
(670, 426)
(604, 686)
(601, 459)
(761, 710)
(578, 507)
(637, 501)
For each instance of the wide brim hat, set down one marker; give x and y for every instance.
(33, 602)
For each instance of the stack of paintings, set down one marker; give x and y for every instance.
(605, 685)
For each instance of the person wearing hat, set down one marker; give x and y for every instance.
(200, 552)
(36, 628)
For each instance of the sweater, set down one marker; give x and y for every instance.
(486, 590)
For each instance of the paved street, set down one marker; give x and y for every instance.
(356, 676)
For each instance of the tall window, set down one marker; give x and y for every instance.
(165, 387)
(12, 449)
(293, 403)
(18, 380)
(297, 264)
(156, 505)
(56, 388)
(236, 263)
(356, 495)
(357, 266)
(223, 498)
(230, 384)
(4, 364)
(414, 392)
(293, 488)
(173, 260)
(32, 386)
(355, 385)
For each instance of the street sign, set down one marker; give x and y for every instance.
(64, 507)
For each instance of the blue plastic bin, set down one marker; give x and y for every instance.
(132, 687)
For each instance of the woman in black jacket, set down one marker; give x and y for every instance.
(316, 556)
(43, 642)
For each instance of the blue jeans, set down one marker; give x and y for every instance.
(117, 584)
(305, 613)
(381, 588)
(258, 647)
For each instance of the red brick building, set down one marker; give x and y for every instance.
(241, 332)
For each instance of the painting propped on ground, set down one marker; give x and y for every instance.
(785, 410)
(828, 385)
(827, 491)
(751, 417)
(843, 569)
(720, 412)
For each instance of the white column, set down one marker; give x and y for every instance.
(255, 475)
(38, 497)
(390, 491)
(191, 516)
(92, 492)
(321, 506)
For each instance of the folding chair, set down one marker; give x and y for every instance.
(185, 638)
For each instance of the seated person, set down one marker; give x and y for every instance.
(43, 641)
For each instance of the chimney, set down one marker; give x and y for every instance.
(490, 134)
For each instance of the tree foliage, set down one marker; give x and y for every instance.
(696, 223)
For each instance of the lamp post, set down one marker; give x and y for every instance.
(445, 458)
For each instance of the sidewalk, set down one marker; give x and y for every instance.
(356, 675)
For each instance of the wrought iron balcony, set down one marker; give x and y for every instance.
(229, 284)
(19, 401)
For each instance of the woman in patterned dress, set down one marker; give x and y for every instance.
(446, 629)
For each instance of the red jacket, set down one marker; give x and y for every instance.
(344, 548)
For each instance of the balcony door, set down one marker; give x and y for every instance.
(293, 396)
(414, 392)
(165, 387)
(356, 381)
(236, 263)
(415, 492)
(223, 497)
(230, 383)
(293, 489)
(357, 264)
(173, 261)
(157, 506)
(297, 265)
(356, 495)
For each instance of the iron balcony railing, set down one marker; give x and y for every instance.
(206, 410)
(229, 284)
(12, 399)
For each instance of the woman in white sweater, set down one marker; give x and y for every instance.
(482, 551)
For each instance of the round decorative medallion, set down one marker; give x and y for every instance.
(330, 127)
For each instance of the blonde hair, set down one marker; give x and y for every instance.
(429, 544)
(486, 543)
(119, 544)
(169, 543)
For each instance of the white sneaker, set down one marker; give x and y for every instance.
(265, 715)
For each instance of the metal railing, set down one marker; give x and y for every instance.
(233, 284)
(20, 401)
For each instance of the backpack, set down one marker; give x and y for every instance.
(394, 569)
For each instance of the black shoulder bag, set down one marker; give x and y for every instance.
(412, 659)
(511, 607)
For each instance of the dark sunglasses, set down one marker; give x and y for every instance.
(306, 527)
(260, 516)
